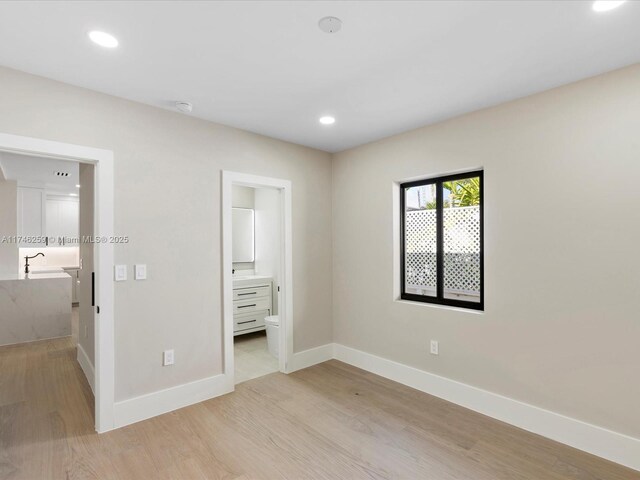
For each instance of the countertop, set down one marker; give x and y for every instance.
(250, 280)
(51, 269)
(34, 276)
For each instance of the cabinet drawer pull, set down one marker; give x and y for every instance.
(246, 306)
(247, 321)
(250, 293)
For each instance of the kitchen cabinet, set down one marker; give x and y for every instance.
(31, 217)
(62, 216)
(47, 220)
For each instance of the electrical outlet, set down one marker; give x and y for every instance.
(167, 358)
(434, 347)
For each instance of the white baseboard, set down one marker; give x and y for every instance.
(156, 403)
(87, 367)
(308, 358)
(598, 441)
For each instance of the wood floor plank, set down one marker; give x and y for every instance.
(331, 421)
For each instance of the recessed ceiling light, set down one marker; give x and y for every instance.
(73, 194)
(327, 120)
(606, 5)
(77, 186)
(103, 39)
(330, 24)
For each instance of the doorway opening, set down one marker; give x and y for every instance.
(257, 276)
(46, 263)
(57, 201)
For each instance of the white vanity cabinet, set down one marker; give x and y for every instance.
(251, 304)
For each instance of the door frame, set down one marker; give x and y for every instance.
(104, 364)
(229, 179)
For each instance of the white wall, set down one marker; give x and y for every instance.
(560, 329)
(63, 257)
(167, 200)
(269, 243)
(8, 226)
(242, 197)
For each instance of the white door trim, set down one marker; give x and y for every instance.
(286, 294)
(103, 227)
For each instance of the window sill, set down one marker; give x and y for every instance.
(440, 307)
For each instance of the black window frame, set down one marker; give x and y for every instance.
(439, 299)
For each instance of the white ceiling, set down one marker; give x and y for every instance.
(40, 172)
(266, 66)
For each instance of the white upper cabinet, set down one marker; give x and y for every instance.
(31, 217)
(47, 220)
(62, 221)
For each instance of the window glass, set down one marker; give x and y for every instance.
(421, 275)
(442, 239)
(461, 239)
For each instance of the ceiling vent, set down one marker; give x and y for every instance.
(184, 107)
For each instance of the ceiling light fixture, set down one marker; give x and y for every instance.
(606, 5)
(103, 39)
(77, 186)
(330, 24)
(327, 120)
(73, 194)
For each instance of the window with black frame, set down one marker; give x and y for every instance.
(442, 240)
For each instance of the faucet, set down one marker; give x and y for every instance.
(26, 261)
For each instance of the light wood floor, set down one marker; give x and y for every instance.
(331, 421)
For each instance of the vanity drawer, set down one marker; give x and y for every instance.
(251, 292)
(240, 307)
(245, 322)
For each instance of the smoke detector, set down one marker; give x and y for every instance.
(330, 24)
(184, 107)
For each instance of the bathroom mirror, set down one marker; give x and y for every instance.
(243, 235)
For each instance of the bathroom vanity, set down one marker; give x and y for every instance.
(252, 302)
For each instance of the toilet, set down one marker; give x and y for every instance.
(273, 334)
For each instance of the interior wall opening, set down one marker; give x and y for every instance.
(47, 274)
(257, 246)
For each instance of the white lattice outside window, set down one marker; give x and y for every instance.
(459, 236)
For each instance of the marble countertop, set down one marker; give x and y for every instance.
(34, 276)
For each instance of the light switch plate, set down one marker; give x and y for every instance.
(120, 273)
(140, 272)
(168, 358)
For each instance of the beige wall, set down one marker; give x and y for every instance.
(8, 226)
(561, 328)
(167, 200)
